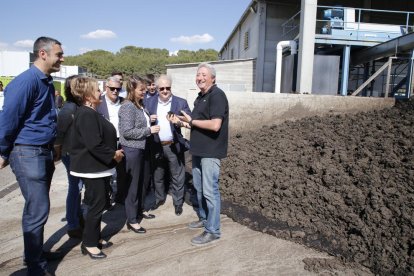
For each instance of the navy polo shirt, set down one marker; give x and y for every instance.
(29, 114)
(207, 143)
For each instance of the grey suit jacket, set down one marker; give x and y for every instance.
(133, 129)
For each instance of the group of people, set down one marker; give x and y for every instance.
(99, 134)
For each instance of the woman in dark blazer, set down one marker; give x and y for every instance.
(74, 215)
(134, 132)
(94, 156)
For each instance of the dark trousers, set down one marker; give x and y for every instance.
(174, 162)
(96, 197)
(138, 179)
(121, 182)
(33, 167)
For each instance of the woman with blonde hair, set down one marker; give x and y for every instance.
(94, 156)
(134, 132)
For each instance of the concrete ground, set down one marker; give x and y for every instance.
(164, 250)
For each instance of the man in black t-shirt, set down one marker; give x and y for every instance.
(208, 145)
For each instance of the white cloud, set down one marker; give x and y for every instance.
(174, 53)
(99, 34)
(205, 38)
(24, 43)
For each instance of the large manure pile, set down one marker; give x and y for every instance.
(340, 183)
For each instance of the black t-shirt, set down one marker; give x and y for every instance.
(207, 143)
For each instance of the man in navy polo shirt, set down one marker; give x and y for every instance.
(27, 134)
(209, 124)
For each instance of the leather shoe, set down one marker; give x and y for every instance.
(178, 210)
(149, 216)
(85, 251)
(103, 245)
(141, 230)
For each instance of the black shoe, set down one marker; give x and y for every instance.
(149, 216)
(141, 230)
(104, 245)
(75, 233)
(178, 210)
(85, 251)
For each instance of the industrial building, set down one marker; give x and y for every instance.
(344, 48)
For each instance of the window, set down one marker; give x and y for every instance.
(232, 53)
(246, 40)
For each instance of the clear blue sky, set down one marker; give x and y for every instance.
(84, 25)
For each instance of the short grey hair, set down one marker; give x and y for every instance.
(113, 79)
(209, 68)
(45, 43)
(163, 77)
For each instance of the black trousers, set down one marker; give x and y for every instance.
(96, 197)
(137, 163)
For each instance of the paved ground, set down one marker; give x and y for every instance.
(164, 250)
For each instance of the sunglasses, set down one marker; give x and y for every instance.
(168, 88)
(114, 88)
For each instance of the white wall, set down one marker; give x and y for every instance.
(13, 63)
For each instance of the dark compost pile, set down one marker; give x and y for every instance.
(340, 183)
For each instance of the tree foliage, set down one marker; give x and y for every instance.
(131, 59)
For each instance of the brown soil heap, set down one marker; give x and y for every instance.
(341, 183)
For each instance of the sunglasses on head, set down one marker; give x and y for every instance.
(113, 88)
(168, 88)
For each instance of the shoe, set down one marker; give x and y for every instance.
(105, 244)
(196, 224)
(148, 216)
(204, 238)
(75, 233)
(178, 210)
(85, 251)
(141, 230)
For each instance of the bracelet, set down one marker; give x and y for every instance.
(190, 123)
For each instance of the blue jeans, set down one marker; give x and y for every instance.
(33, 167)
(73, 198)
(206, 172)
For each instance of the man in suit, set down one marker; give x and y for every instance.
(169, 145)
(109, 107)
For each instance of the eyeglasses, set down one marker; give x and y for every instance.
(168, 88)
(113, 88)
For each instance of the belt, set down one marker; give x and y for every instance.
(45, 146)
(166, 143)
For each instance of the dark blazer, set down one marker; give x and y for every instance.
(64, 123)
(177, 104)
(93, 142)
(103, 107)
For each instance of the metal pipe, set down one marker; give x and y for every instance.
(279, 51)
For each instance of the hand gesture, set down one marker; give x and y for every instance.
(155, 129)
(185, 117)
(119, 154)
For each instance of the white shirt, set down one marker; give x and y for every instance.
(113, 109)
(165, 133)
